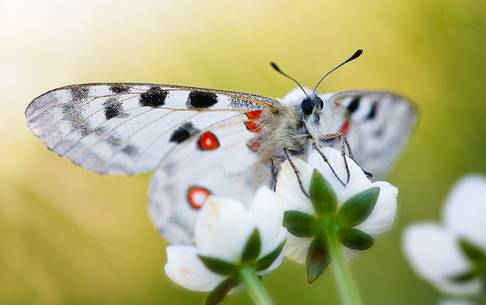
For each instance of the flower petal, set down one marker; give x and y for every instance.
(455, 302)
(281, 237)
(222, 228)
(296, 248)
(383, 215)
(358, 181)
(288, 188)
(267, 213)
(434, 254)
(465, 209)
(185, 268)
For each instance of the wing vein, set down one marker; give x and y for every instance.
(87, 101)
(66, 117)
(127, 140)
(147, 148)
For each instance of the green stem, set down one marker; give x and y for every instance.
(254, 287)
(347, 288)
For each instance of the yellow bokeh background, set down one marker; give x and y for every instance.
(68, 236)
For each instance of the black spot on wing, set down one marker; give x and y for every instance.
(371, 115)
(130, 150)
(354, 104)
(119, 88)
(201, 99)
(113, 108)
(100, 131)
(379, 132)
(114, 140)
(85, 129)
(74, 115)
(112, 111)
(68, 108)
(183, 133)
(154, 97)
(79, 92)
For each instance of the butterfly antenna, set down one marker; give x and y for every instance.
(353, 57)
(274, 66)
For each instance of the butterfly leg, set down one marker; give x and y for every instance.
(350, 152)
(329, 164)
(342, 148)
(297, 172)
(273, 172)
(343, 144)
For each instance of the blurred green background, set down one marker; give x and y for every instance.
(68, 236)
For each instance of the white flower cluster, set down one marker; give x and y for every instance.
(225, 227)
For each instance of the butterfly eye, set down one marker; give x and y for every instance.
(307, 106)
(319, 102)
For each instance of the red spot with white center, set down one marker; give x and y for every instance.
(208, 141)
(197, 195)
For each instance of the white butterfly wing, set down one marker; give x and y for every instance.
(377, 126)
(229, 167)
(200, 141)
(128, 128)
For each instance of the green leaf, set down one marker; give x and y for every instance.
(218, 266)
(266, 261)
(472, 251)
(322, 195)
(317, 260)
(252, 247)
(355, 239)
(220, 292)
(464, 277)
(300, 224)
(357, 208)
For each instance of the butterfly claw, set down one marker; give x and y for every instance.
(351, 156)
(368, 174)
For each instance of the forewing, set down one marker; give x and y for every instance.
(127, 128)
(377, 126)
(221, 160)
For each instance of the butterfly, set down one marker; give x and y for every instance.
(200, 142)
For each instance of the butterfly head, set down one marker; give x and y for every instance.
(308, 101)
(311, 104)
(305, 101)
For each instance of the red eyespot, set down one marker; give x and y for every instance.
(208, 141)
(345, 128)
(253, 115)
(197, 195)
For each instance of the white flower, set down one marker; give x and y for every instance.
(455, 302)
(377, 221)
(436, 251)
(223, 228)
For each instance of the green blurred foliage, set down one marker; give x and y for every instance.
(68, 236)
